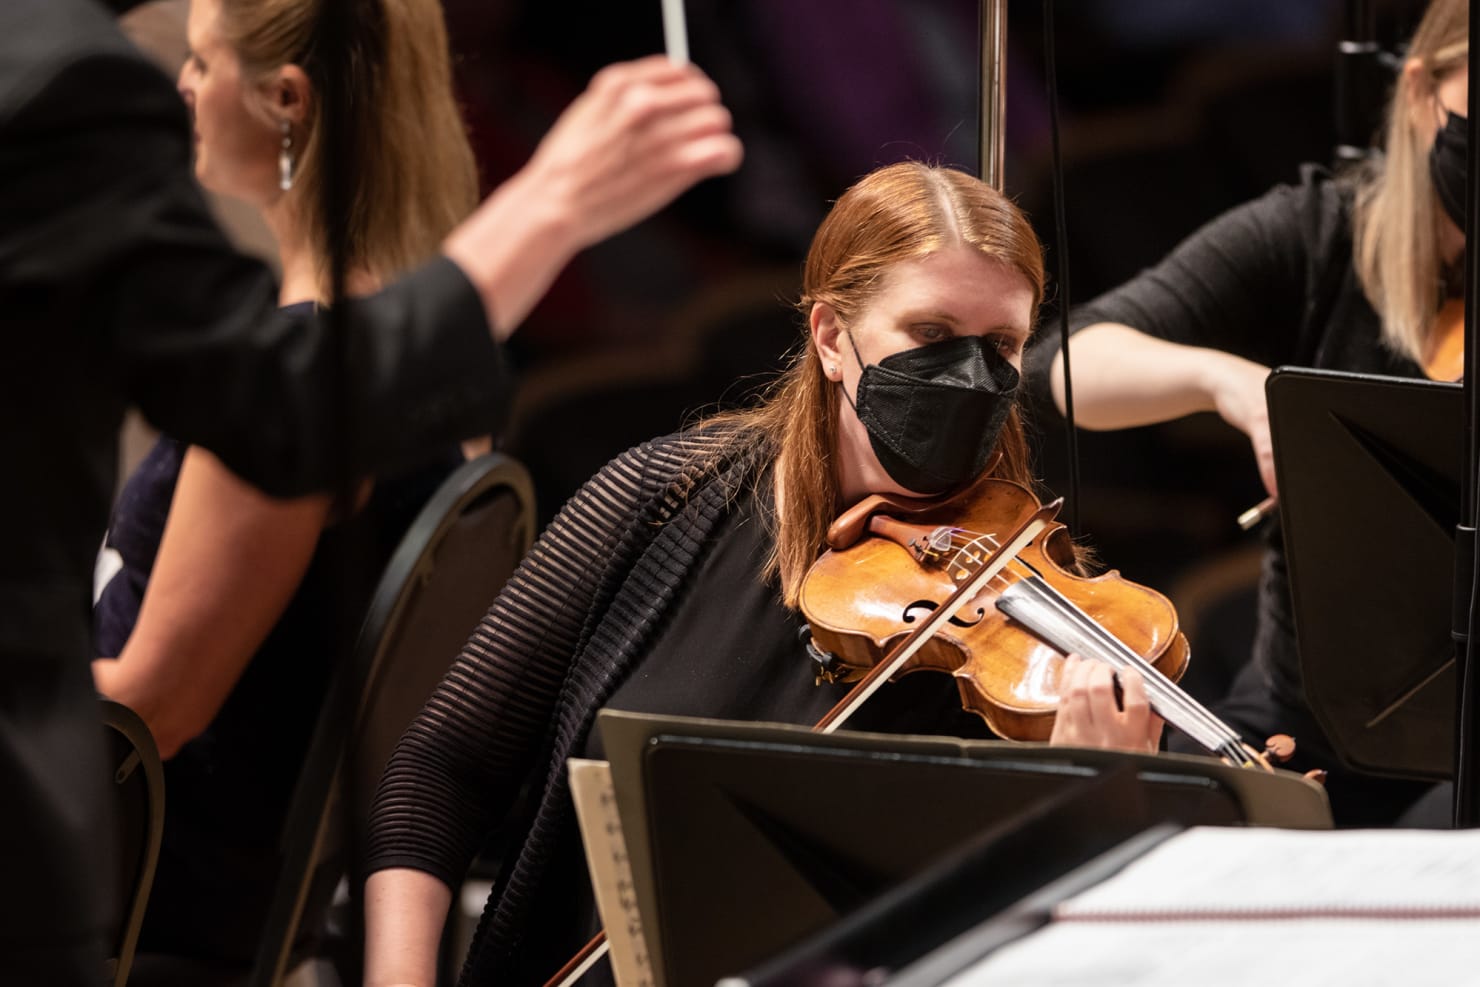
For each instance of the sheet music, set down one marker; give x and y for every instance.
(611, 873)
(1218, 871)
(1308, 952)
(1223, 906)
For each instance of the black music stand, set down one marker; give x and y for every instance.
(746, 838)
(1368, 470)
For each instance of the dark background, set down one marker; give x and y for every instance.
(1170, 112)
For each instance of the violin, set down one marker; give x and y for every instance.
(980, 586)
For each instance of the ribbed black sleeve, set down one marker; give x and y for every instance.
(456, 770)
(1237, 285)
(1264, 280)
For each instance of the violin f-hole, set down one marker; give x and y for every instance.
(930, 606)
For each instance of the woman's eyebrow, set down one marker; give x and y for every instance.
(930, 315)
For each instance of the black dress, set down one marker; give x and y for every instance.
(117, 288)
(227, 791)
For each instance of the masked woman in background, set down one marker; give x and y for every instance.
(670, 583)
(1357, 273)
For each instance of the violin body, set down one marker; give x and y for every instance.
(891, 567)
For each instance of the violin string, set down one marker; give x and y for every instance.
(1161, 690)
(1165, 697)
(1170, 694)
(1178, 707)
(1169, 699)
(1172, 702)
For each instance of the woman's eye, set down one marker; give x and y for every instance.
(932, 333)
(1006, 345)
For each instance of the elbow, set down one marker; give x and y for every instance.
(169, 744)
(173, 725)
(175, 713)
(176, 731)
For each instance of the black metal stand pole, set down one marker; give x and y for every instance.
(1466, 797)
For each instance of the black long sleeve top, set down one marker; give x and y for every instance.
(1272, 281)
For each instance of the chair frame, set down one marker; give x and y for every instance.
(124, 721)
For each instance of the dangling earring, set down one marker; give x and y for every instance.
(285, 159)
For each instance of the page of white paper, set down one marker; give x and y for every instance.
(1210, 870)
(1307, 952)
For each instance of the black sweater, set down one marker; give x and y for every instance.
(607, 607)
(1271, 281)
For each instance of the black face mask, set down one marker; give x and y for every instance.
(933, 413)
(1448, 161)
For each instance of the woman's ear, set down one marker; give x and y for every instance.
(1420, 89)
(289, 94)
(827, 334)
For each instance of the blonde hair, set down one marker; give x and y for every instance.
(1397, 214)
(413, 177)
(897, 213)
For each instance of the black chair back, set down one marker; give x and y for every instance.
(446, 572)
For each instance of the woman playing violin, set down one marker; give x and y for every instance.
(1359, 272)
(670, 582)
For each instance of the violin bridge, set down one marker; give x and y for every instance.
(931, 546)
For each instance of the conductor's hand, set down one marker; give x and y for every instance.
(1089, 715)
(640, 134)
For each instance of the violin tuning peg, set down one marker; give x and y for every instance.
(1280, 748)
(1316, 775)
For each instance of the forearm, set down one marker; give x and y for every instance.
(404, 914)
(512, 249)
(1123, 377)
(230, 559)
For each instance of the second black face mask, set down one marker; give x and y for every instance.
(933, 413)
(1448, 163)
